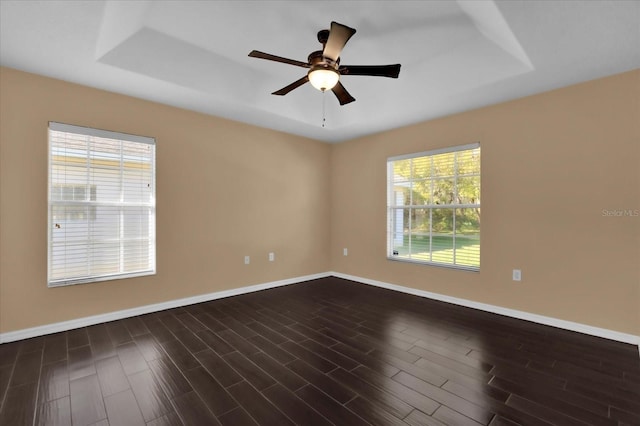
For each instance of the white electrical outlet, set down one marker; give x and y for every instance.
(247, 260)
(272, 257)
(345, 252)
(517, 275)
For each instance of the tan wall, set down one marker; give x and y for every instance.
(224, 190)
(550, 164)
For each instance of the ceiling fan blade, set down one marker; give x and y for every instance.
(341, 93)
(269, 57)
(292, 86)
(391, 71)
(338, 37)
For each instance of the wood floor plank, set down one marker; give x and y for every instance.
(170, 378)
(479, 393)
(384, 367)
(476, 412)
(123, 410)
(542, 412)
(215, 342)
(378, 397)
(135, 326)
(100, 342)
(239, 343)
(309, 357)
(462, 364)
(273, 350)
(55, 348)
(451, 417)
(329, 408)
(18, 407)
(290, 334)
(266, 332)
(325, 383)
(5, 376)
(405, 393)
(373, 413)
(237, 326)
(313, 335)
(193, 411)
(209, 322)
(150, 396)
(27, 369)
(501, 421)
(529, 377)
(171, 419)
(87, 404)
(249, 371)
(263, 411)
(54, 413)
(329, 354)
(554, 397)
(111, 376)
(237, 417)
(277, 371)
(418, 418)
(190, 340)
(78, 337)
(218, 368)
(276, 316)
(148, 346)
(347, 341)
(9, 352)
(159, 331)
(210, 391)
(118, 333)
(80, 362)
(624, 417)
(425, 374)
(191, 322)
(293, 407)
(439, 345)
(170, 321)
(131, 359)
(54, 382)
(179, 354)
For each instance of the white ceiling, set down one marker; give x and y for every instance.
(455, 55)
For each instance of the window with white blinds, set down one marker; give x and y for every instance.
(433, 207)
(101, 205)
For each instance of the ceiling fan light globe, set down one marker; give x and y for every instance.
(323, 79)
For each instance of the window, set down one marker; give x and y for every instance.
(71, 192)
(101, 205)
(433, 207)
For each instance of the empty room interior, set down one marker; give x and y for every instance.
(316, 213)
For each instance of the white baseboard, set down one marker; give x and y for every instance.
(126, 313)
(540, 319)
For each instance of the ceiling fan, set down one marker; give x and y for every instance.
(324, 65)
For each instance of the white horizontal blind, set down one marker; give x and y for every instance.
(101, 205)
(433, 207)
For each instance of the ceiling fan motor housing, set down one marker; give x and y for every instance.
(317, 59)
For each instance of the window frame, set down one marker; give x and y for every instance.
(393, 208)
(124, 137)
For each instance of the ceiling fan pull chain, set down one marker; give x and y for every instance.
(324, 117)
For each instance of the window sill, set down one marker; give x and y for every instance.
(88, 280)
(439, 265)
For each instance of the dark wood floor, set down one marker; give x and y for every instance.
(325, 352)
